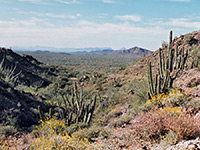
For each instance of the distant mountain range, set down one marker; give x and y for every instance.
(53, 49)
(135, 51)
(104, 51)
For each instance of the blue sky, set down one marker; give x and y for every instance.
(95, 23)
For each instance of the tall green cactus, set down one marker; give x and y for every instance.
(77, 110)
(169, 66)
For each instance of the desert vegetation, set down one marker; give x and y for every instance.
(101, 102)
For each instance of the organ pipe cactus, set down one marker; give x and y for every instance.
(169, 66)
(77, 109)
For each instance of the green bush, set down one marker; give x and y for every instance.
(75, 127)
(123, 120)
(7, 131)
(93, 132)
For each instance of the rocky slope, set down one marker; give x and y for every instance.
(19, 109)
(187, 81)
(25, 69)
(190, 42)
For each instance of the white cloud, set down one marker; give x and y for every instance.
(104, 1)
(82, 34)
(68, 1)
(63, 16)
(134, 18)
(183, 22)
(32, 22)
(41, 2)
(4, 1)
(181, 0)
(108, 1)
(101, 16)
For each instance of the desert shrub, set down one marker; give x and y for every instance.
(98, 80)
(50, 91)
(113, 113)
(156, 125)
(51, 126)
(172, 99)
(137, 90)
(88, 93)
(122, 68)
(164, 44)
(92, 132)
(60, 142)
(169, 138)
(193, 104)
(116, 82)
(188, 38)
(114, 96)
(196, 57)
(119, 122)
(35, 133)
(18, 141)
(52, 135)
(75, 127)
(172, 110)
(7, 131)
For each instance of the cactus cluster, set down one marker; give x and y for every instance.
(169, 66)
(76, 110)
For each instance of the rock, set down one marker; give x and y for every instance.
(197, 117)
(191, 147)
(186, 145)
(131, 92)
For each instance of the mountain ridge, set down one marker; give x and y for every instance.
(134, 51)
(138, 51)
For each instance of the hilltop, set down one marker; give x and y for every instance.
(134, 51)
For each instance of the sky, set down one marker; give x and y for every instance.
(95, 23)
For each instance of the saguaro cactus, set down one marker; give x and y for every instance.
(169, 66)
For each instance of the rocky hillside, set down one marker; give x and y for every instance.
(160, 118)
(190, 42)
(19, 109)
(125, 117)
(135, 51)
(18, 75)
(23, 69)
